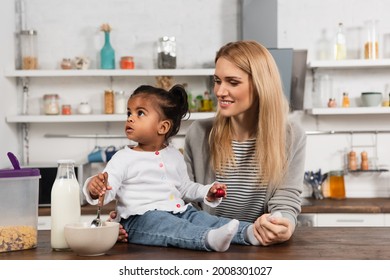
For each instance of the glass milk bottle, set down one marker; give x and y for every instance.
(65, 203)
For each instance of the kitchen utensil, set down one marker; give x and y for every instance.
(14, 161)
(315, 180)
(97, 222)
(371, 99)
(87, 241)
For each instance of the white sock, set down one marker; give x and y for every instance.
(250, 236)
(219, 239)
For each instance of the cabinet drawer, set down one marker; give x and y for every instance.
(350, 220)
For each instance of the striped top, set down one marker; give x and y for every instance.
(245, 195)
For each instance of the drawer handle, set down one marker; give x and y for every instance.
(350, 221)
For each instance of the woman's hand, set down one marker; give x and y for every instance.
(272, 229)
(122, 236)
(216, 191)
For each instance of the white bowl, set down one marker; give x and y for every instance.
(87, 241)
(371, 99)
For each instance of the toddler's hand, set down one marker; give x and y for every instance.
(97, 186)
(217, 191)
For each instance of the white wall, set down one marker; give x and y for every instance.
(8, 134)
(71, 28)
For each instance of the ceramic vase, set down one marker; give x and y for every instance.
(107, 54)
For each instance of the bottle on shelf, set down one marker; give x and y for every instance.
(65, 203)
(345, 103)
(340, 49)
(324, 47)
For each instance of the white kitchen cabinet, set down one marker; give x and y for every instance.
(350, 220)
(387, 220)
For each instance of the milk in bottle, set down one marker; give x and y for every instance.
(65, 203)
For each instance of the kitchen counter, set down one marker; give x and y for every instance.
(349, 205)
(311, 205)
(308, 243)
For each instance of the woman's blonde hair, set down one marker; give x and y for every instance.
(266, 86)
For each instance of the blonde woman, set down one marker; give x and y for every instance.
(251, 146)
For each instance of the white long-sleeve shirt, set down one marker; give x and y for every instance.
(143, 181)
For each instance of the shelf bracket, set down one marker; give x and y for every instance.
(25, 143)
(25, 98)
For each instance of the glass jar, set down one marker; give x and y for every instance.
(66, 109)
(166, 53)
(371, 44)
(51, 104)
(84, 108)
(127, 62)
(109, 102)
(120, 102)
(29, 49)
(336, 185)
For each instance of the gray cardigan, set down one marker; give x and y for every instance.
(284, 198)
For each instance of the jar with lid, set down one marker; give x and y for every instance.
(29, 49)
(166, 53)
(65, 203)
(109, 102)
(51, 104)
(127, 62)
(371, 44)
(84, 108)
(120, 104)
(66, 109)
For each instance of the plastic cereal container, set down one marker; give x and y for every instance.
(19, 190)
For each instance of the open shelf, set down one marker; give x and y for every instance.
(349, 111)
(87, 118)
(350, 63)
(109, 73)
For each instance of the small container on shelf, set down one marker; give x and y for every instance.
(346, 102)
(166, 52)
(66, 109)
(109, 102)
(51, 104)
(84, 108)
(120, 104)
(66, 64)
(29, 49)
(332, 103)
(127, 62)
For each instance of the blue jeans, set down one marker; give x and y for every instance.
(184, 230)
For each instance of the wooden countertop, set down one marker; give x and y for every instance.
(349, 205)
(308, 243)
